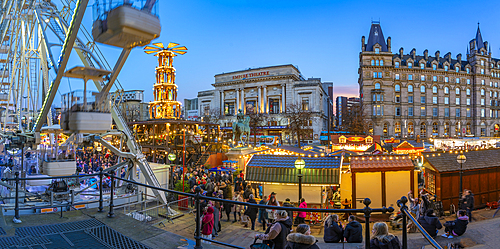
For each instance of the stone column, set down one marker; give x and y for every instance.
(265, 100)
(243, 101)
(258, 106)
(237, 106)
(283, 97)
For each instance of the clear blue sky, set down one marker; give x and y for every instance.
(323, 38)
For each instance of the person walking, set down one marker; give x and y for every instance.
(382, 239)
(468, 203)
(236, 209)
(207, 224)
(353, 232)
(276, 234)
(263, 213)
(333, 232)
(288, 204)
(430, 223)
(302, 239)
(301, 216)
(251, 212)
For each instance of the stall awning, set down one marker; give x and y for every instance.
(281, 169)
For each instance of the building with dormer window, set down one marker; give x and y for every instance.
(410, 95)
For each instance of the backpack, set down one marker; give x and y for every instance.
(260, 245)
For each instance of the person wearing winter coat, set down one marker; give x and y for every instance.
(247, 193)
(301, 216)
(288, 204)
(276, 233)
(207, 224)
(263, 213)
(209, 187)
(272, 212)
(353, 232)
(467, 203)
(382, 239)
(333, 230)
(251, 212)
(302, 239)
(236, 209)
(430, 223)
(456, 227)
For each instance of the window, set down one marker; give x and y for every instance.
(378, 110)
(422, 111)
(434, 66)
(446, 112)
(491, 84)
(377, 50)
(434, 100)
(376, 63)
(410, 129)
(468, 81)
(410, 64)
(434, 78)
(467, 70)
(423, 130)
(457, 91)
(457, 80)
(483, 113)
(467, 112)
(397, 88)
(396, 64)
(386, 129)
(496, 84)
(380, 74)
(446, 79)
(468, 101)
(435, 128)
(274, 105)
(229, 109)
(374, 74)
(410, 88)
(381, 62)
(482, 62)
(457, 101)
(491, 94)
(467, 91)
(305, 104)
(482, 101)
(483, 132)
(410, 111)
(410, 99)
(422, 99)
(482, 82)
(374, 97)
(397, 129)
(422, 77)
(445, 68)
(251, 107)
(482, 70)
(446, 90)
(446, 128)
(373, 62)
(398, 111)
(495, 94)
(422, 66)
(482, 92)
(377, 85)
(434, 89)
(342, 139)
(457, 69)
(422, 89)
(446, 100)
(410, 76)
(397, 99)
(457, 112)
(397, 76)
(434, 112)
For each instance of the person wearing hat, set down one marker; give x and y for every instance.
(430, 223)
(276, 234)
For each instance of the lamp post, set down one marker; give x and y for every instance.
(171, 157)
(461, 160)
(300, 164)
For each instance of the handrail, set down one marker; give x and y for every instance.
(404, 210)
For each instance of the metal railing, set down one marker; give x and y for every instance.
(406, 214)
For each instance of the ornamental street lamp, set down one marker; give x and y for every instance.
(171, 157)
(461, 160)
(300, 164)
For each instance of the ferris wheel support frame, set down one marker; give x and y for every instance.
(69, 42)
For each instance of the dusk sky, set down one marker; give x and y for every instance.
(322, 38)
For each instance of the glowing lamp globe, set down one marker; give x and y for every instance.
(171, 157)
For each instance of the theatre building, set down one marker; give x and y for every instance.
(268, 91)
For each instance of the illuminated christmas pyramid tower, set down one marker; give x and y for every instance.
(165, 104)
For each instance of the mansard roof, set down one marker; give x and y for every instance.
(376, 36)
(430, 60)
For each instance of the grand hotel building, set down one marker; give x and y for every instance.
(410, 95)
(268, 91)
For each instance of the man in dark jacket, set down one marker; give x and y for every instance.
(469, 203)
(288, 204)
(430, 223)
(247, 193)
(251, 212)
(353, 232)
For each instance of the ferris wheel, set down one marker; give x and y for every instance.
(36, 40)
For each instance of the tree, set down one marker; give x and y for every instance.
(353, 120)
(212, 116)
(299, 120)
(256, 120)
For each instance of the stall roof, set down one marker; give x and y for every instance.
(381, 163)
(296, 150)
(476, 159)
(281, 169)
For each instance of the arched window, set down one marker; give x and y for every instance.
(410, 129)
(386, 130)
(381, 62)
(434, 89)
(423, 130)
(435, 128)
(410, 64)
(467, 70)
(482, 92)
(396, 64)
(467, 129)
(446, 129)
(434, 66)
(410, 88)
(457, 91)
(377, 85)
(422, 66)
(397, 88)
(446, 90)
(422, 89)
(373, 62)
(397, 129)
(467, 91)
(457, 69)
(376, 63)
(445, 68)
